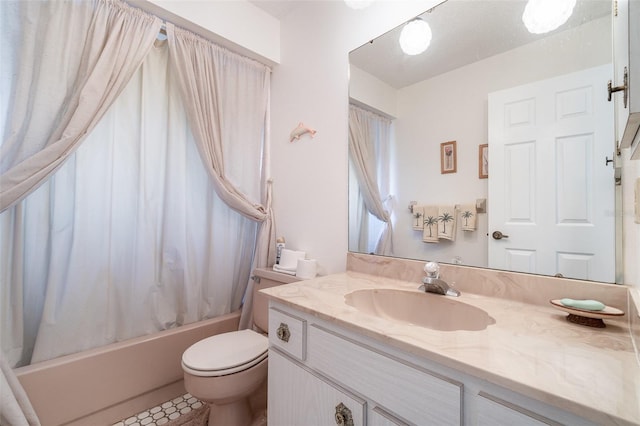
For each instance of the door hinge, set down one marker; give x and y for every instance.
(624, 88)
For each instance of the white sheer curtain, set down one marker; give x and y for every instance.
(369, 142)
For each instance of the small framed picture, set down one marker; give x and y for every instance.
(483, 161)
(448, 157)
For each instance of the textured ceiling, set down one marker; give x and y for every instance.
(464, 31)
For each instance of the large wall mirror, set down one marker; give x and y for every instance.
(492, 147)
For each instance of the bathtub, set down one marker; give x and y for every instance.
(104, 385)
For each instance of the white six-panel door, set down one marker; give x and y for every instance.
(550, 190)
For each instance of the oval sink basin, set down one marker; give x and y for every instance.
(423, 309)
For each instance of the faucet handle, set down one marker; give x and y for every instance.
(432, 269)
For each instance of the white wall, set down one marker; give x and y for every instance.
(453, 106)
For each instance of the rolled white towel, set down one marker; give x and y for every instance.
(289, 261)
(284, 271)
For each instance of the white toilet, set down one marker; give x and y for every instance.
(225, 369)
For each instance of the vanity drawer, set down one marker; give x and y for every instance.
(407, 391)
(288, 333)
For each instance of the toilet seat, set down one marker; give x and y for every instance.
(225, 353)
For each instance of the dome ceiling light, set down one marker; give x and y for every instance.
(415, 37)
(542, 16)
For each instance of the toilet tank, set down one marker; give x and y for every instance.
(265, 278)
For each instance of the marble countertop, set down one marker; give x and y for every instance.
(531, 349)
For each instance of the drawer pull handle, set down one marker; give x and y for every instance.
(343, 415)
(283, 332)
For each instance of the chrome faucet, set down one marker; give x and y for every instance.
(433, 284)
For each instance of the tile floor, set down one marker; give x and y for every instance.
(162, 413)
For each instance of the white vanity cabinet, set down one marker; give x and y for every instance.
(323, 374)
(626, 38)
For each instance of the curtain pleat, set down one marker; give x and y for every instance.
(70, 71)
(362, 153)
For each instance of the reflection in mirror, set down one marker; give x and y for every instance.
(535, 99)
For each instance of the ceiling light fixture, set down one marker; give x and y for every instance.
(542, 16)
(415, 37)
(358, 4)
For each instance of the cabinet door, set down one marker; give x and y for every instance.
(493, 411)
(300, 397)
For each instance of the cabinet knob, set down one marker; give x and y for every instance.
(283, 332)
(343, 415)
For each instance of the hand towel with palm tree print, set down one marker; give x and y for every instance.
(447, 221)
(468, 215)
(430, 222)
(418, 213)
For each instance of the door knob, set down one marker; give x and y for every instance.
(497, 235)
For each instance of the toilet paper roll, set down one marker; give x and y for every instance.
(289, 259)
(307, 269)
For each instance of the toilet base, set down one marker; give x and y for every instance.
(237, 413)
(260, 419)
(229, 396)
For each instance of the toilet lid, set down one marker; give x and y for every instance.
(225, 353)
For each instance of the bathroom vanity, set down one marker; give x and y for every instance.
(336, 360)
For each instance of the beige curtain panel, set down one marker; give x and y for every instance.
(75, 58)
(362, 156)
(200, 67)
(15, 407)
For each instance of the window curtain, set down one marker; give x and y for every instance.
(369, 140)
(201, 68)
(73, 59)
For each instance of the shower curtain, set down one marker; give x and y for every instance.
(131, 234)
